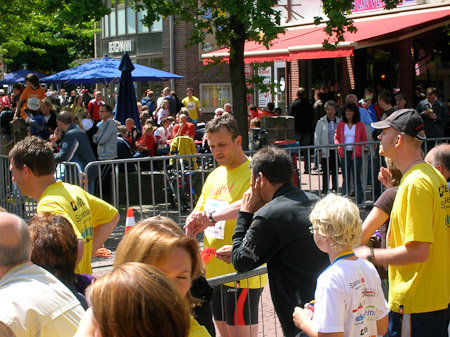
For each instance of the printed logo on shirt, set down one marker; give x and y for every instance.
(364, 331)
(359, 319)
(356, 284)
(369, 292)
(370, 313)
(360, 306)
(221, 189)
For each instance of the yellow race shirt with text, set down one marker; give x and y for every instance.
(421, 213)
(84, 212)
(192, 104)
(221, 188)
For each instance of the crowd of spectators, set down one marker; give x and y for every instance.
(250, 214)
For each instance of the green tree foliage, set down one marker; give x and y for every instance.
(338, 22)
(38, 28)
(233, 22)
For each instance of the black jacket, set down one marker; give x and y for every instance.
(303, 112)
(278, 234)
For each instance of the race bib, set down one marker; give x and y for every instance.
(191, 106)
(218, 230)
(33, 103)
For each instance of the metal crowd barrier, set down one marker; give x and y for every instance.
(170, 185)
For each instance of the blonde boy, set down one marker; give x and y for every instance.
(349, 299)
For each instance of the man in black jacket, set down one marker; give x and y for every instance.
(278, 234)
(303, 112)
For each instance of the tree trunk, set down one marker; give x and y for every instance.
(237, 76)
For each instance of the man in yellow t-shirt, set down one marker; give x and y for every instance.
(32, 165)
(193, 105)
(419, 233)
(224, 186)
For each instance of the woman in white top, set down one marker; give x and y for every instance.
(351, 130)
(162, 135)
(162, 111)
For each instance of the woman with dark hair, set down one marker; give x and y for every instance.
(351, 130)
(55, 248)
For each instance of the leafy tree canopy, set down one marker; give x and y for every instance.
(39, 27)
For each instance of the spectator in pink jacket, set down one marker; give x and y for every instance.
(351, 130)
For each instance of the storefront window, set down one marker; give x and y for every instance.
(121, 21)
(213, 96)
(131, 21)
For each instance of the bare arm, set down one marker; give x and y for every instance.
(102, 232)
(382, 325)
(80, 251)
(19, 105)
(197, 222)
(302, 320)
(376, 218)
(412, 252)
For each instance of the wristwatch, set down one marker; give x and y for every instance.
(210, 216)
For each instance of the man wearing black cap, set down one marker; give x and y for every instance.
(419, 234)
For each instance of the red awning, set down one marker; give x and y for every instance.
(306, 42)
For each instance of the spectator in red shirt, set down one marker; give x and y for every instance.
(254, 112)
(94, 106)
(184, 128)
(147, 144)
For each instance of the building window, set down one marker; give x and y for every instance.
(131, 21)
(141, 28)
(121, 21)
(157, 26)
(214, 96)
(112, 22)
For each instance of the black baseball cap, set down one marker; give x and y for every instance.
(407, 121)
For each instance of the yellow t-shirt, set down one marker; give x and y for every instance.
(82, 210)
(221, 188)
(197, 330)
(192, 104)
(421, 213)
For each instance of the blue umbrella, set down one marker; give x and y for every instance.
(106, 71)
(19, 76)
(126, 101)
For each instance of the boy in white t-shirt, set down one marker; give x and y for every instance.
(349, 300)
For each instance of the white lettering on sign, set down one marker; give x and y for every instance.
(120, 46)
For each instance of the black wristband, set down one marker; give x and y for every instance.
(210, 217)
(371, 257)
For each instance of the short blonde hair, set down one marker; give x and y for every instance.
(337, 218)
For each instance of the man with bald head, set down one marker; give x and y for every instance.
(184, 128)
(55, 311)
(439, 158)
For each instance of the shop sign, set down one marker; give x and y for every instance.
(120, 46)
(265, 97)
(369, 5)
